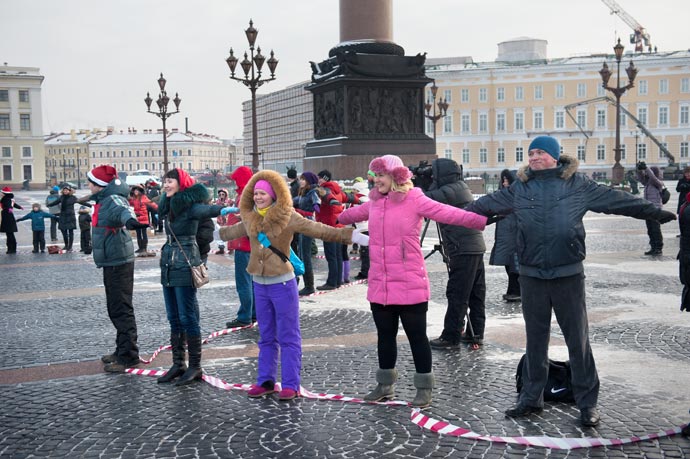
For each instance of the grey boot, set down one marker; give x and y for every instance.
(179, 366)
(384, 388)
(424, 382)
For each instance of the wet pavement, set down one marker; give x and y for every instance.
(58, 403)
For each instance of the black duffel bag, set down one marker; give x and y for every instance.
(558, 386)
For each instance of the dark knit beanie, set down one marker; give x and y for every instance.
(547, 144)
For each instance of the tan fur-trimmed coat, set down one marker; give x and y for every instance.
(280, 224)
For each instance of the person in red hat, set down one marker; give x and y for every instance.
(8, 224)
(113, 251)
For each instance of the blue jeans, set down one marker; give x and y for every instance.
(243, 284)
(334, 257)
(182, 309)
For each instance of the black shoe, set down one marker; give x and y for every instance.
(307, 291)
(117, 367)
(326, 287)
(589, 417)
(236, 323)
(34, 251)
(468, 339)
(109, 358)
(360, 276)
(520, 411)
(511, 297)
(442, 343)
(653, 252)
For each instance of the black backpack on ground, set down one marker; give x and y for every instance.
(558, 387)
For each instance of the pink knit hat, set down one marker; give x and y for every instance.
(265, 186)
(392, 165)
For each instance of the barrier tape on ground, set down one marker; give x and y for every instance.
(323, 257)
(444, 428)
(417, 417)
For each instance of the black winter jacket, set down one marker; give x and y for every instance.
(448, 188)
(112, 243)
(549, 205)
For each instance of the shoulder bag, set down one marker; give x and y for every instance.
(294, 260)
(199, 273)
(665, 195)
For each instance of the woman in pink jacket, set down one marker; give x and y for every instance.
(398, 283)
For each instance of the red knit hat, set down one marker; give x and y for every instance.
(102, 175)
(185, 180)
(7, 190)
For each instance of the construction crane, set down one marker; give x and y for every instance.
(638, 123)
(640, 36)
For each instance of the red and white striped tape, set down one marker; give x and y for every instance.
(323, 257)
(445, 428)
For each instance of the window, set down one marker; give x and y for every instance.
(137, 153)
(684, 85)
(4, 95)
(26, 152)
(482, 95)
(623, 151)
(582, 119)
(601, 118)
(464, 95)
(6, 152)
(663, 116)
(500, 94)
(189, 152)
(448, 153)
(465, 123)
(4, 121)
(601, 152)
(25, 122)
(663, 86)
(130, 166)
(500, 122)
(601, 91)
(129, 153)
(483, 122)
(538, 120)
(642, 87)
(122, 154)
(447, 126)
(581, 153)
(465, 155)
(622, 120)
(6, 172)
(538, 92)
(483, 156)
(429, 126)
(641, 151)
(581, 90)
(519, 154)
(661, 152)
(519, 121)
(642, 115)
(447, 95)
(27, 169)
(560, 119)
(560, 91)
(501, 155)
(23, 95)
(519, 93)
(684, 117)
(684, 149)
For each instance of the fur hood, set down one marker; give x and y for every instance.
(567, 166)
(183, 200)
(278, 215)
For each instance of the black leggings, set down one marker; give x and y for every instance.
(413, 318)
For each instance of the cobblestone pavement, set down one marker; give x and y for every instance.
(53, 317)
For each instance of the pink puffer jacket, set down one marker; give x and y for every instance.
(398, 274)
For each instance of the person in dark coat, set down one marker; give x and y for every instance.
(504, 251)
(549, 199)
(85, 230)
(650, 177)
(68, 219)
(684, 254)
(8, 225)
(38, 226)
(683, 187)
(55, 210)
(182, 206)
(465, 249)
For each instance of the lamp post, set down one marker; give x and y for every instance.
(618, 91)
(64, 167)
(430, 106)
(78, 171)
(251, 65)
(163, 114)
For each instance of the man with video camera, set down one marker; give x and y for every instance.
(464, 247)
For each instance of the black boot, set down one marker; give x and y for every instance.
(179, 366)
(194, 372)
(308, 284)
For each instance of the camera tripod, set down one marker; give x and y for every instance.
(440, 248)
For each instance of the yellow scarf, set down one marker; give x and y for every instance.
(263, 211)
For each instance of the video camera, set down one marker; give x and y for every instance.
(422, 175)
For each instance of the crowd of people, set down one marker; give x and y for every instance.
(539, 240)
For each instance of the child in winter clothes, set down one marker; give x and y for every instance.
(266, 207)
(141, 204)
(222, 220)
(85, 230)
(398, 281)
(38, 226)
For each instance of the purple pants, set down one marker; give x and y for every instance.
(277, 311)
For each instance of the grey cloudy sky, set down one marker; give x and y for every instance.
(99, 58)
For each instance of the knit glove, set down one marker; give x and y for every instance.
(229, 210)
(133, 224)
(359, 238)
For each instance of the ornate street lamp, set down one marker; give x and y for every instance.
(430, 106)
(251, 66)
(618, 91)
(163, 114)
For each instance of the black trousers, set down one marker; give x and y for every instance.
(39, 240)
(11, 242)
(85, 241)
(68, 237)
(656, 240)
(142, 238)
(364, 254)
(119, 284)
(513, 282)
(566, 297)
(53, 229)
(466, 289)
(413, 318)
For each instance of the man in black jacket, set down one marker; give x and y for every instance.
(550, 199)
(465, 249)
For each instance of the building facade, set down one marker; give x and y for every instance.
(497, 108)
(22, 156)
(67, 156)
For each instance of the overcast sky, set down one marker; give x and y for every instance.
(99, 57)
